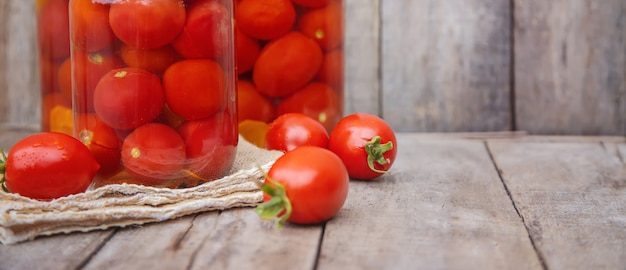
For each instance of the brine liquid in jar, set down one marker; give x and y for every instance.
(290, 59)
(154, 89)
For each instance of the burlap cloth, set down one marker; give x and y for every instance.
(23, 219)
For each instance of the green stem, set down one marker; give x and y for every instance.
(279, 207)
(2, 170)
(375, 153)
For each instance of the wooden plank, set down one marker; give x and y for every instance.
(232, 239)
(55, 252)
(362, 56)
(441, 207)
(446, 65)
(570, 67)
(19, 79)
(572, 197)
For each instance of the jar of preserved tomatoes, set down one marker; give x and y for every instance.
(154, 89)
(54, 65)
(290, 59)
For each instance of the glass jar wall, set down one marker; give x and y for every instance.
(290, 59)
(154, 89)
(54, 68)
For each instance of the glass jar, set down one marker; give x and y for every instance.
(54, 69)
(154, 89)
(290, 59)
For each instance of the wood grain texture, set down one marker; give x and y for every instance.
(442, 207)
(572, 197)
(570, 67)
(446, 65)
(362, 56)
(19, 79)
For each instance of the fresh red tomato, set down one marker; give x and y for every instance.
(286, 64)
(317, 100)
(247, 50)
(154, 153)
(251, 105)
(324, 25)
(194, 88)
(308, 185)
(154, 60)
(147, 24)
(292, 130)
(53, 30)
(101, 140)
(48, 165)
(128, 97)
(90, 29)
(207, 31)
(267, 19)
(210, 146)
(89, 68)
(365, 144)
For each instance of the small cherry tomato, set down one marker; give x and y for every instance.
(194, 87)
(292, 130)
(286, 64)
(365, 144)
(267, 19)
(251, 105)
(90, 29)
(147, 24)
(308, 185)
(324, 25)
(206, 32)
(48, 165)
(128, 97)
(154, 153)
(317, 100)
(89, 68)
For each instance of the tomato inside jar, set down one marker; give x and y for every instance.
(153, 86)
(286, 48)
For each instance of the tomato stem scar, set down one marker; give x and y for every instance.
(375, 153)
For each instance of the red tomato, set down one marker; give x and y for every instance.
(101, 140)
(147, 24)
(90, 29)
(154, 153)
(48, 165)
(331, 71)
(267, 19)
(206, 33)
(53, 30)
(317, 100)
(210, 146)
(89, 68)
(365, 144)
(251, 105)
(308, 185)
(286, 64)
(194, 87)
(324, 25)
(292, 130)
(248, 50)
(153, 60)
(312, 3)
(128, 97)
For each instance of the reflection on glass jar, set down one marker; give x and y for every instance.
(290, 59)
(54, 68)
(154, 88)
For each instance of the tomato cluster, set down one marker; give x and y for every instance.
(309, 183)
(153, 88)
(290, 59)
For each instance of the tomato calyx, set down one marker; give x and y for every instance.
(2, 170)
(375, 153)
(277, 207)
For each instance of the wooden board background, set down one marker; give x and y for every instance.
(545, 67)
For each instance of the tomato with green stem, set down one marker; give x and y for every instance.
(308, 185)
(48, 165)
(292, 130)
(366, 145)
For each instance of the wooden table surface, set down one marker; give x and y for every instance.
(451, 201)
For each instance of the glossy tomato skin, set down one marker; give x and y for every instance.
(203, 35)
(348, 140)
(292, 130)
(49, 165)
(316, 183)
(317, 100)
